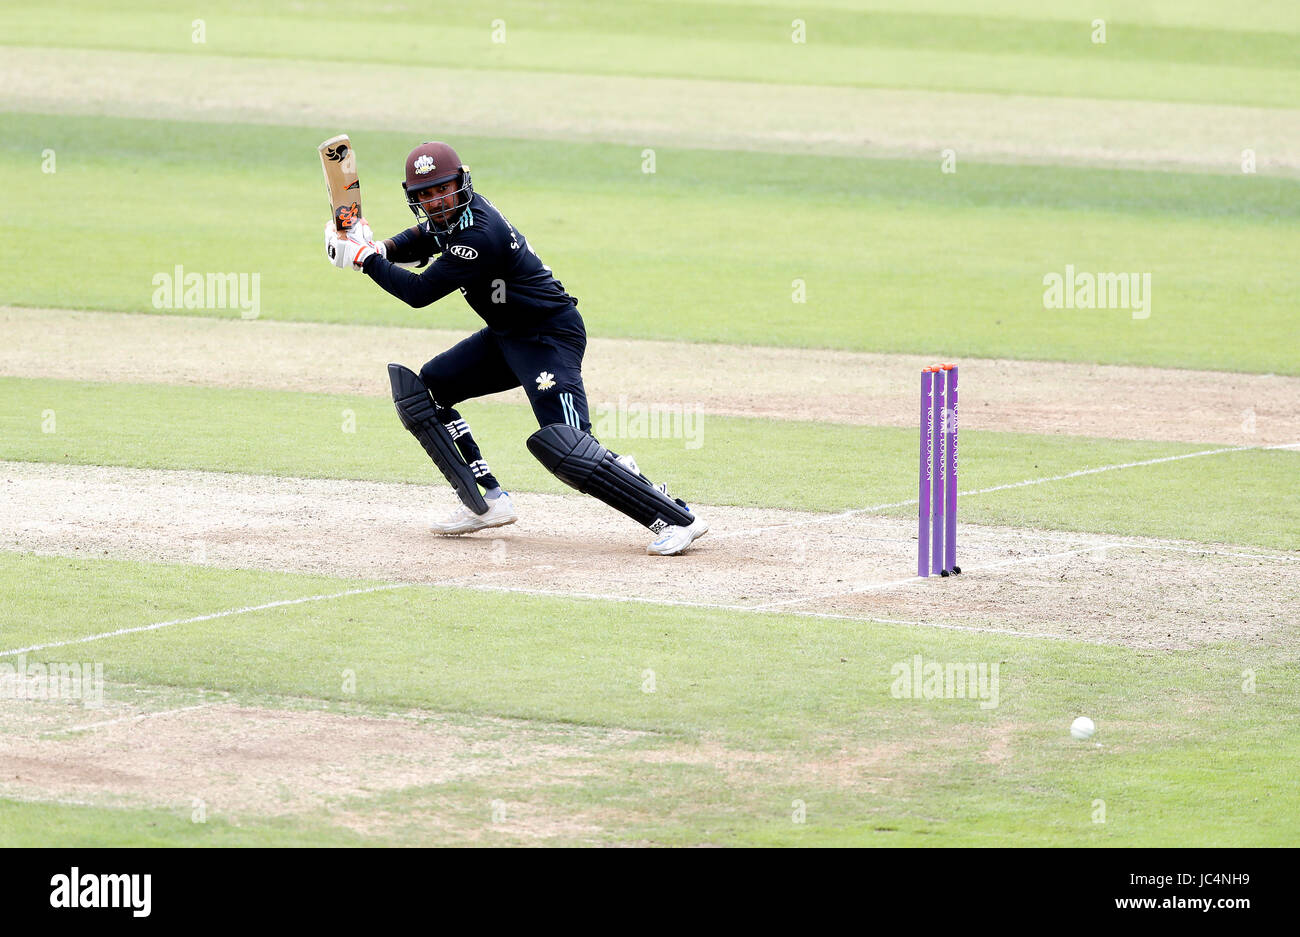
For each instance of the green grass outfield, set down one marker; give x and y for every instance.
(1202, 51)
(894, 255)
(758, 685)
(1210, 498)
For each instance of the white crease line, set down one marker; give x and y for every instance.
(913, 580)
(828, 518)
(136, 718)
(910, 580)
(1174, 546)
(187, 621)
(62, 801)
(1124, 465)
(1207, 552)
(1018, 560)
(908, 547)
(817, 519)
(559, 594)
(1082, 639)
(518, 590)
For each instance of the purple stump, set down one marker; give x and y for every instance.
(950, 435)
(940, 467)
(923, 501)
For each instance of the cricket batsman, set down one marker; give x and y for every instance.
(533, 337)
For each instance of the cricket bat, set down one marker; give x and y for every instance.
(340, 165)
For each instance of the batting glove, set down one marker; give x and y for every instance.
(348, 252)
(361, 232)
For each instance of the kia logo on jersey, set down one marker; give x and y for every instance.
(463, 252)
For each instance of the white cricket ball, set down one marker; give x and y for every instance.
(1082, 728)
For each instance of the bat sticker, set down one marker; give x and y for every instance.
(346, 215)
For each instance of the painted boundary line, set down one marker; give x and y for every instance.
(828, 518)
(186, 621)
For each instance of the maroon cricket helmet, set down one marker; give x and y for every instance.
(431, 164)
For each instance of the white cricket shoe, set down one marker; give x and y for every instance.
(500, 512)
(674, 540)
(671, 540)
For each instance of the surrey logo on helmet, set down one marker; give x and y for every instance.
(424, 164)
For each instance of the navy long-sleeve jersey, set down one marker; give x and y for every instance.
(484, 257)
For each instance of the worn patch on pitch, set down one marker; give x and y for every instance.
(241, 761)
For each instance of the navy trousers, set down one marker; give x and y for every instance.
(547, 364)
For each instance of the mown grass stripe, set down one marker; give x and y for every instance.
(883, 249)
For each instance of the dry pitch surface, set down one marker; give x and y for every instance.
(1124, 590)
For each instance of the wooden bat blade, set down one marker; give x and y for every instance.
(340, 165)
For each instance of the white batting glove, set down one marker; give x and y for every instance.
(361, 232)
(348, 252)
